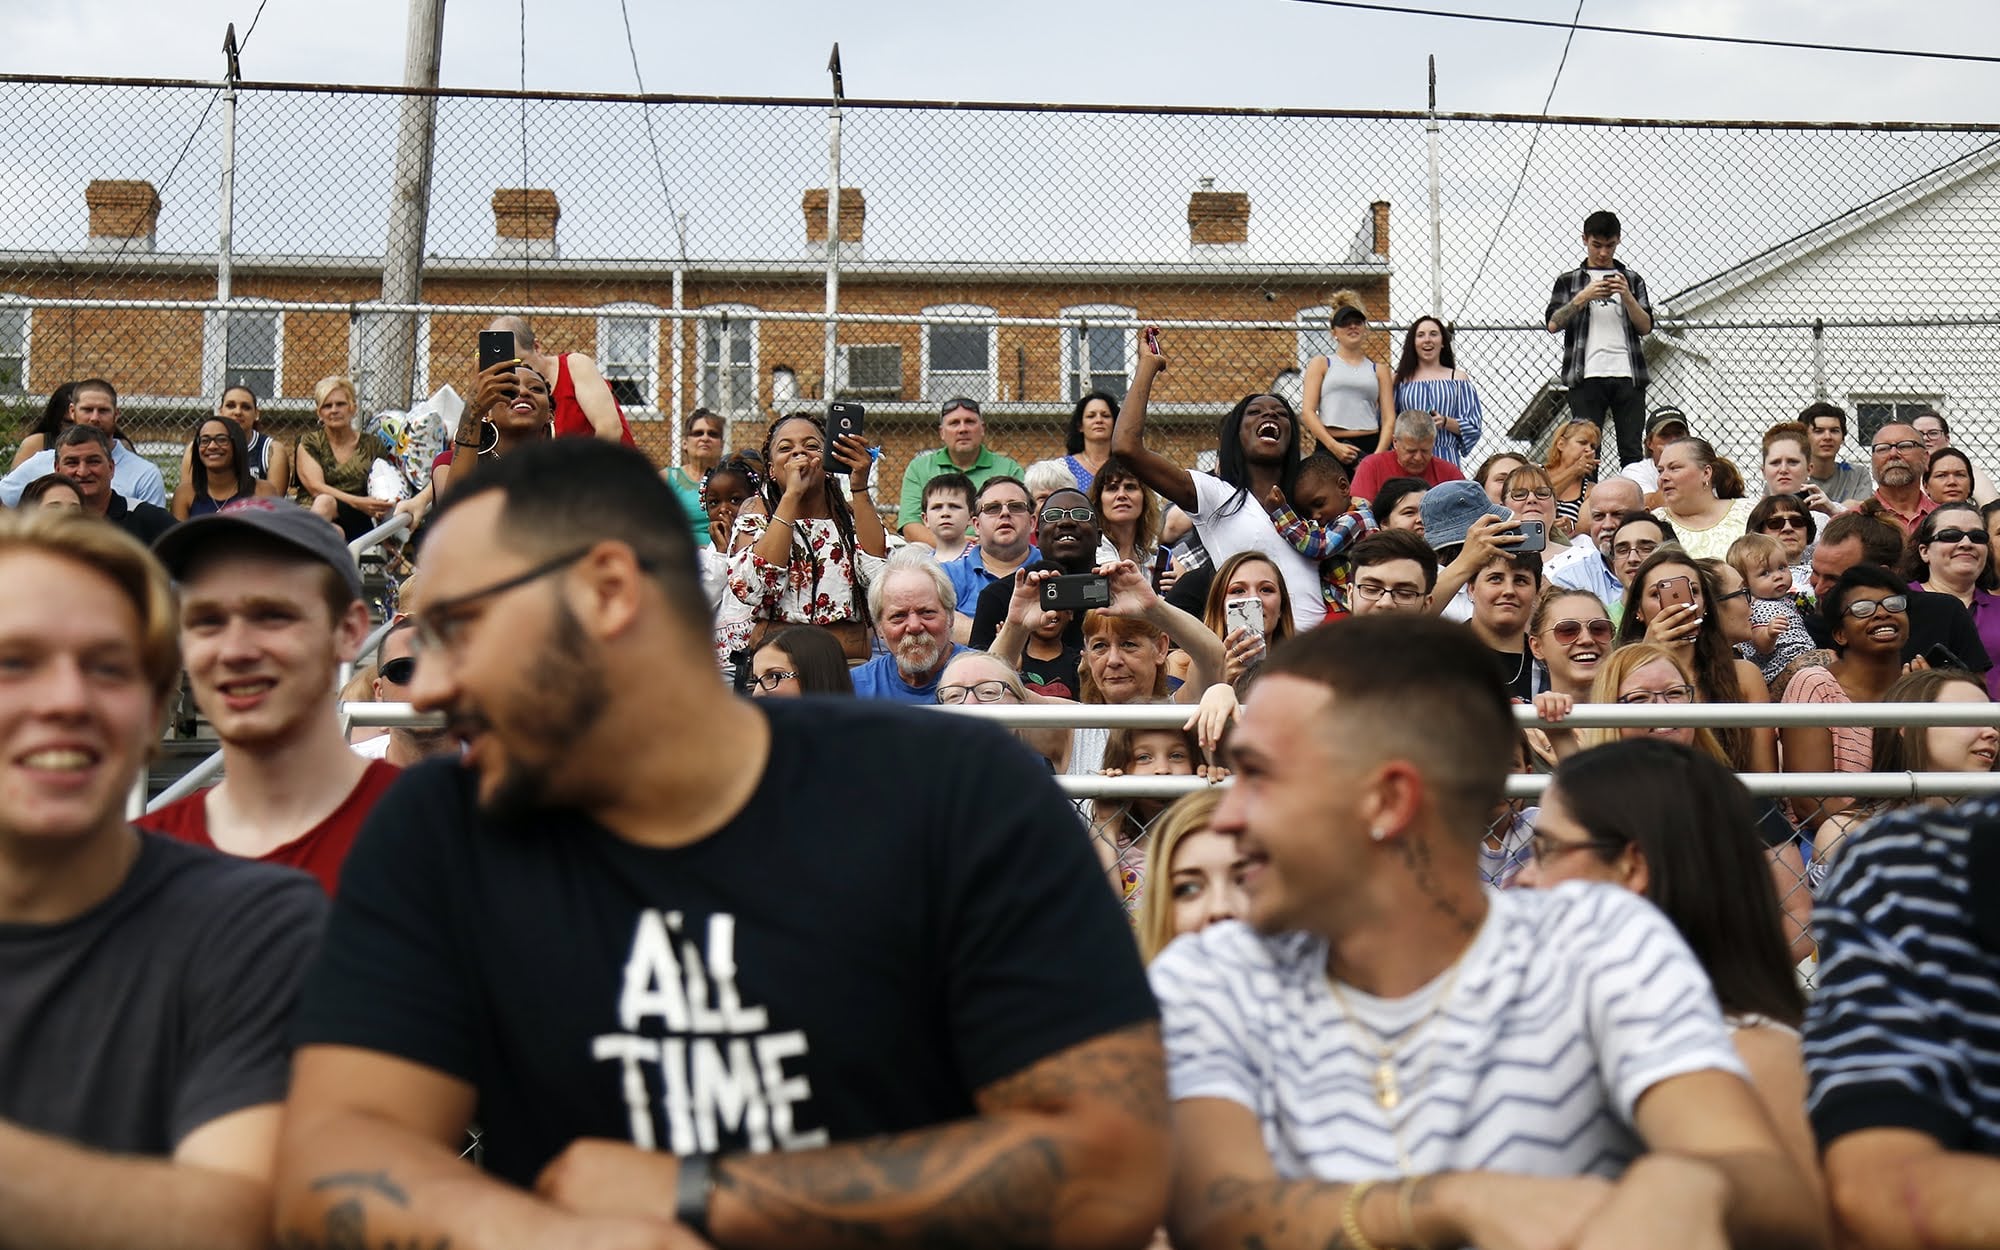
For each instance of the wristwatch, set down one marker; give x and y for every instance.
(693, 1189)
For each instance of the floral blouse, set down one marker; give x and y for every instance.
(818, 585)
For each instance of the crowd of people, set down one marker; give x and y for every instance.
(771, 962)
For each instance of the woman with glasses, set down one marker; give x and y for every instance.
(1690, 477)
(799, 660)
(221, 474)
(701, 451)
(1948, 476)
(1672, 823)
(1531, 496)
(1789, 519)
(1671, 600)
(980, 677)
(1952, 553)
(1865, 612)
(1572, 467)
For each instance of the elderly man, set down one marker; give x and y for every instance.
(1409, 455)
(580, 400)
(1586, 564)
(1899, 460)
(93, 402)
(84, 454)
(910, 601)
(1003, 517)
(963, 432)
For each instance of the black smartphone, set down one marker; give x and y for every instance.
(495, 347)
(1076, 592)
(1163, 560)
(842, 419)
(1940, 656)
(1534, 537)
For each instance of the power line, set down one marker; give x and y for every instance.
(652, 140)
(1545, 24)
(1534, 139)
(254, 19)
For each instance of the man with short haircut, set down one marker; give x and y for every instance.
(580, 400)
(1936, 619)
(1601, 310)
(1931, 426)
(963, 432)
(404, 745)
(1393, 571)
(572, 935)
(146, 987)
(948, 503)
(1003, 516)
(1385, 1052)
(93, 402)
(1899, 459)
(1586, 564)
(1902, 1037)
(1826, 430)
(1664, 425)
(84, 454)
(910, 601)
(1070, 537)
(1409, 455)
(271, 607)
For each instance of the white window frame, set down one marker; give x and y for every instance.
(1077, 376)
(357, 329)
(1314, 337)
(970, 313)
(9, 302)
(1895, 403)
(215, 350)
(707, 331)
(629, 311)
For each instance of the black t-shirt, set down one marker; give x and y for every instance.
(1056, 677)
(1517, 669)
(1934, 618)
(901, 914)
(143, 521)
(164, 1007)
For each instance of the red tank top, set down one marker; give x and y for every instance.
(570, 421)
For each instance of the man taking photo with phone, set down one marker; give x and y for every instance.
(1601, 310)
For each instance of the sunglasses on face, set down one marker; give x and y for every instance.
(1955, 535)
(1567, 632)
(996, 508)
(1868, 607)
(1786, 522)
(399, 672)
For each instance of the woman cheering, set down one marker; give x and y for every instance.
(1428, 379)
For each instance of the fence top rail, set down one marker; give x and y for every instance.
(1531, 785)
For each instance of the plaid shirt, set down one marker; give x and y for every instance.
(1327, 542)
(1576, 331)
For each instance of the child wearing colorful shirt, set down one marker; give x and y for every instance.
(1333, 522)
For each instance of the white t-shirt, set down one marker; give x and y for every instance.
(1605, 352)
(1249, 528)
(1645, 473)
(1570, 1004)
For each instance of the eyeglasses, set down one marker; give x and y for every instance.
(997, 508)
(398, 672)
(1666, 694)
(1545, 847)
(1957, 535)
(1906, 444)
(1866, 608)
(1640, 549)
(1402, 596)
(772, 680)
(1741, 592)
(1786, 521)
(212, 440)
(1053, 515)
(1567, 632)
(978, 692)
(441, 624)
(1523, 496)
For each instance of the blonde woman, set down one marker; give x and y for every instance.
(1201, 871)
(334, 459)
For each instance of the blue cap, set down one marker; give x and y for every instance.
(1450, 508)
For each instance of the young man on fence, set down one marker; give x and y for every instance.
(1601, 310)
(146, 987)
(1388, 1053)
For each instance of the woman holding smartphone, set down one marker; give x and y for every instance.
(1674, 602)
(1250, 579)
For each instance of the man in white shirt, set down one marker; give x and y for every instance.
(1385, 1052)
(1586, 565)
(1602, 311)
(1663, 425)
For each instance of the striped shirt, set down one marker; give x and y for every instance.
(1570, 1004)
(1904, 1031)
(1456, 398)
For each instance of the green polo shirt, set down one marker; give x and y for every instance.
(937, 462)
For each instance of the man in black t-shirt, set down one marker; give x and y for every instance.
(145, 986)
(1070, 538)
(701, 964)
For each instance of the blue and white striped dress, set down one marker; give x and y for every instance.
(1456, 398)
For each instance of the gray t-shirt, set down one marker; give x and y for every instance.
(164, 1007)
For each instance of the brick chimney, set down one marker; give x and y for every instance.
(1218, 218)
(524, 222)
(124, 213)
(853, 219)
(1379, 211)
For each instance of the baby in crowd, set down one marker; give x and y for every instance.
(1777, 636)
(1326, 524)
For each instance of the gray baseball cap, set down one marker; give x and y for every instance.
(312, 536)
(1450, 508)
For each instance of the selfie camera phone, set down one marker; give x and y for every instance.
(1677, 590)
(1162, 561)
(495, 347)
(1246, 614)
(1534, 537)
(1940, 656)
(842, 419)
(1076, 592)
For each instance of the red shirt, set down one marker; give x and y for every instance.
(570, 421)
(1907, 520)
(319, 850)
(1378, 467)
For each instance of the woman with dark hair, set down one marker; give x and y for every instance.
(799, 660)
(1128, 514)
(1918, 749)
(42, 437)
(1492, 473)
(1789, 519)
(1695, 494)
(1503, 592)
(1256, 450)
(220, 460)
(1674, 825)
(1866, 612)
(1088, 440)
(1428, 379)
(1951, 553)
(1673, 601)
(1948, 476)
(51, 490)
(1399, 505)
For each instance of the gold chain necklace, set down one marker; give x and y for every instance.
(1388, 1085)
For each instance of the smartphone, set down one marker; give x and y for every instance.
(1153, 343)
(1534, 537)
(1163, 560)
(495, 347)
(1940, 656)
(1246, 614)
(1076, 592)
(1677, 590)
(842, 418)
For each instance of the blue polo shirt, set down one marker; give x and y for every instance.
(879, 678)
(969, 576)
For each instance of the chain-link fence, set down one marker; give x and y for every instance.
(1006, 252)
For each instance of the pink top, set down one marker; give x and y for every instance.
(1853, 745)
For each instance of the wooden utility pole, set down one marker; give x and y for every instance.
(390, 345)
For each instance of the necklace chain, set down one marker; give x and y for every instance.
(1388, 1085)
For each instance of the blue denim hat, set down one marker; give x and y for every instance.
(1450, 508)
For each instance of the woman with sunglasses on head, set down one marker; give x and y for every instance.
(221, 473)
(799, 660)
(1673, 601)
(1865, 612)
(1347, 395)
(1428, 379)
(1952, 553)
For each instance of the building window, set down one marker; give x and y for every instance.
(1872, 412)
(871, 371)
(1315, 336)
(243, 348)
(628, 357)
(370, 337)
(727, 352)
(14, 327)
(958, 358)
(1098, 357)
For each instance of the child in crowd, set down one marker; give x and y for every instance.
(948, 513)
(724, 489)
(1119, 829)
(1777, 636)
(1332, 522)
(1048, 665)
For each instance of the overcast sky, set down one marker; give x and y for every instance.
(1213, 52)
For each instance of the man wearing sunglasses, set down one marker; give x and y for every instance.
(270, 608)
(1070, 535)
(402, 745)
(962, 430)
(1003, 517)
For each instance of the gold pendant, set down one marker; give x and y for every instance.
(1387, 1091)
